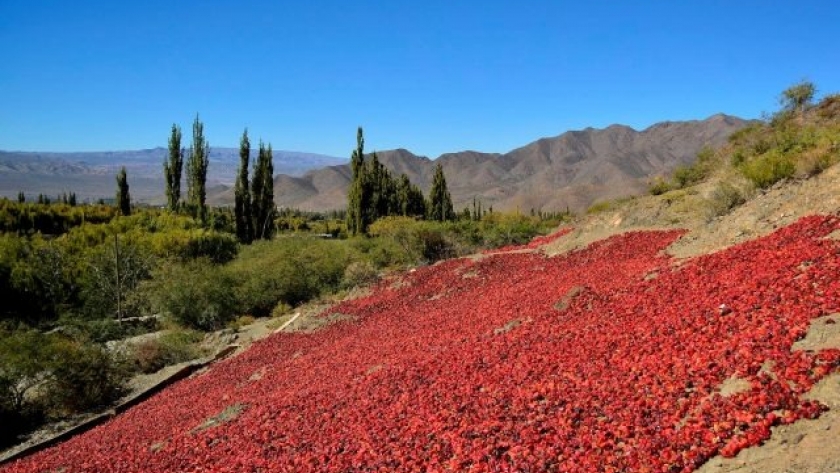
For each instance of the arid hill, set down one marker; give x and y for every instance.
(572, 170)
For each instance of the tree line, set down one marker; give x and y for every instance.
(374, 192)
(254, 209)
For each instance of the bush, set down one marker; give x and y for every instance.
(382, 252)
(358, 274)
(659, 186)
(508, 229)
(599, 207)
(434, 244)
(24, 365)
(724, 198)
(290, 270)
(169, 349)
(420, 241)
(197, 295)
(84, 376)
(768, 169)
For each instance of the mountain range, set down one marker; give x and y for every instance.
(91, 175)
(569, 171)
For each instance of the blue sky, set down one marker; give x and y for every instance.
(431, 76)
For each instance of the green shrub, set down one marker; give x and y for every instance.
(84, 376)
(291, 270)
(197, 294)
(170, 348)
(766, 170)
(434, 244)
(382, 252)
(359, 274)
(509, 229)
(724, 198)
(420, 241)
(218, 247)
(24, 365)
(241, 321)
(599, 207)
(685, 176)
(659, 186)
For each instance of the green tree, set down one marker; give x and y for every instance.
(115, 270)
(43, 281)
(21, 197)
(197, 164)
(172, 169)
(440, 202)
(356, 219)
(242, 204)
(798, 97)
(411, 202)
(23, 366)
(262, 194)
(123, 197)
(382, 187)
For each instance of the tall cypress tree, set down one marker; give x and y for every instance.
(172, 169)
(410, 199)
(262, 194)
(440, 202)
(242, 206)
(356, 222)
(197, 165)
(123, 197)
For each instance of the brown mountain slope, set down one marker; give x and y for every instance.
(572, 170)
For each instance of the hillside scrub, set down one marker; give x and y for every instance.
(800, 140)
(789, 144)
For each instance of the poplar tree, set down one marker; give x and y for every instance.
(197, 164)
(356, 205)
(242, 206)
(123, 197)
(172, 168)
(440, 202)
(410, 199)
(262, 194)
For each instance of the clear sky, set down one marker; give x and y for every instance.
(432, 76)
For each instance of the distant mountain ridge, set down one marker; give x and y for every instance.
(572, 170)
(91, 174)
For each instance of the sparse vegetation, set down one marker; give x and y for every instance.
(724, 198)
(172, 347)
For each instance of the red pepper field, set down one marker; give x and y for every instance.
(605, 359)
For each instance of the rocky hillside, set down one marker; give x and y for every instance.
(572, 170)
